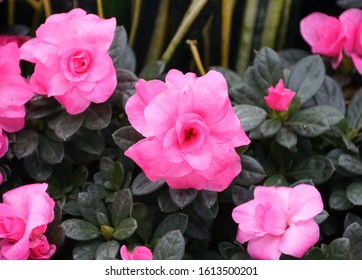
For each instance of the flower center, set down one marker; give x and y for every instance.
(79, 62)
(189, 133)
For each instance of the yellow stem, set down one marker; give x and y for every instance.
(196, 55)
(273, 18)
(227, 9)
(137, 5)
(284, 23)
(47, 8)
(11, 12)
(100, 9)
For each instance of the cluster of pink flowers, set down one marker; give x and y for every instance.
(330, 36)
(191, 131)
(279, 220)
(71, 59)
(25, 214)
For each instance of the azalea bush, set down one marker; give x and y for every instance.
(113, 150)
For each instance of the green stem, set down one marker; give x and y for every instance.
(159, 31)
(192, 12)
(284, 23)
(137, 5)
(272, 21)
(227, 9)
(246, 36)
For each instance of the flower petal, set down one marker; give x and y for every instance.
(265, 248)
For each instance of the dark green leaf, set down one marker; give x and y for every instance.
(207, 198)
(126, 81)
(321, 217)
(89, 141)
(338, 199)
(240, 195)
(305, 79)
(36, 168)
(316, 168)
(72, 207)
(227, 250)
(177, 221)
(97, 116)
(121, 207)
(289, 57)
(66, 125)
(250, 116)
(50, 151)
(26, 143)
(350, 163)
(126, 136)
(107, 250)
(338, 249)
(354, 193)
(347, 4)
(102, 219)
(276, 180)
(89, 205)
(143, 217)
(142, 185)
(153, 71)
(127, 60)
(354, 111)
(80, 230)
(86, 250)
(118, 45)
(165, 202)
(252, 172)
(354, 233)
(314, 121)
(125, 229)
(286, 138)
(314, 254)
(206, 213)
(181, 197)
(170, 247)
(270, 127)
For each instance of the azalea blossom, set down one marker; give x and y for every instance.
(25, 214)
(14, 93)
(279, 220)
(71, 59)
(351, 21)
(17, 39)
(325, 35)
(278, 97)
(138, 253)
(40, 249)
(191, 131)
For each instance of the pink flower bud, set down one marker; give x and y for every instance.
(279, 98)
(139, 253)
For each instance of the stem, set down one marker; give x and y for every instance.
(196, 55)
(227, 9)
(47, 8)
(192, 12)
(246, 37)
(159, 31)
(284, 24)
(11, 12)
(100, 8)
(272, 21)
(137, 5)
(206, 39)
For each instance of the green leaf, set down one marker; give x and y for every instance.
(177, 221)
(331, 94)
(240, 195)
(338, 199)
(250, 116)
(354, 193)
(227, 250)
(143, 217)
(276, 180)
(305, 79)
(338, 249)
(289, 57)
(153, 70)
(128, 60)
(118, 45)
(89, 205)
(207, 198)
(86, 250)
(89, 141)
(286, 138)
(316, 168)
(125, 229)
(170, 247)
(126, 136)
(141, 185)
(97, 116)
(252, 172)
(347, 4)
(66, 125)
(321, 217)
(314, 121)
(270, 127)
(26, 143)
(125, 88)
(80, 230)
(350, 163)
(354, 233)
(50, 151)
(36, 168)
(206, 213)
(165, 202)
(183, 197)
(121, 207)
(107, 250)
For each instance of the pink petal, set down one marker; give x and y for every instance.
(9, 60)
(4, 144)
(58, 85)
(199, 159)
(304, 203)
(299, 237)
(73, 102)
(265, 248)
(176, 79)
(351, 20)
(14, 91)
(190, 180)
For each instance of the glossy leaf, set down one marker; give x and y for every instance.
(171, 246)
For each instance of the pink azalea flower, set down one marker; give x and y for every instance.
(40, 248)
(351, 21)
(278, 97)
(72, 61)
(25, 212)
(17, 39)
(279, 220)
(14, 93)
(325, 35)
(191, 131)
(139, 253)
